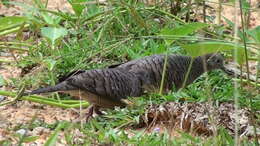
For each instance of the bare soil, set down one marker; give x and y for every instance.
(23, 112)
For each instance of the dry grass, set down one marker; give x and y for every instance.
(199, 118)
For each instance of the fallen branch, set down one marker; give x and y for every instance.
(231, 67)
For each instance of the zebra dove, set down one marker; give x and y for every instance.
(103, 88)
(177, 67)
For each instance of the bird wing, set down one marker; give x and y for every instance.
(70, 74)
(152, 65)
(107, 83)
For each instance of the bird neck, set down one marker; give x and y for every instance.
(197, 69)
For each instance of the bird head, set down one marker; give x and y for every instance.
(216, 61)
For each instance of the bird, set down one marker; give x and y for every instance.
(102, 88)
(176, 69)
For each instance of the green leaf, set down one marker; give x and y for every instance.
(51, 20)
(53, 33)
(39, 4)
(245, 6)
(11, 22)
(77, 6)
(181, 31)
(6, 3)
(137, 17)
(255, 34)
(5, 142)
(50, 63)
(2, 81)
(53, 138)
(202, 48)
(232, 25)
(93, 10)
(30, 138)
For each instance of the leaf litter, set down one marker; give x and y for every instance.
(200, 119)
(197, 118)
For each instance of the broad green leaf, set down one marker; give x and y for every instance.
(181, 31)
(51, 19)
(47, 18)
(53, 33)
(255, 33)
(77, 6)
(11, 22)
(50, 63)
(202, 48)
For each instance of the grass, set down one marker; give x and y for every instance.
(101, 36)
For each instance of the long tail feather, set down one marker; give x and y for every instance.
(59, 87)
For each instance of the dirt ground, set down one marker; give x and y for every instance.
(16, 10)
(23, 111)
(229, 11)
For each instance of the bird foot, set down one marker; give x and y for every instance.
(89, 112)
(93, 110)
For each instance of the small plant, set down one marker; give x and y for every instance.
(97, 34)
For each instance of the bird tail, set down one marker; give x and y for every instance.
(63, 86)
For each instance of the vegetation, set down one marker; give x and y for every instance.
(98, 34)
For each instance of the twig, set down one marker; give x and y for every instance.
(244, 38)
(187, 19)
(44, 100)
(13, 48)
(17, 97)
(11, 30)
(246, 81)
(187, 74)
(231, 67)
(16, 43)
(204, 11)
(247, 68)
(5, 61)
(164, 72)
(248, 15)
(219, 12)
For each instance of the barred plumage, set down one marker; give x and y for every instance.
(102, 87)
(177, 67)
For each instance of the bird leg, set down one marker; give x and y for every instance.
(97, 110)
(91, 110)
(88, 112)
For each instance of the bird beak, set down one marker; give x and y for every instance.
(228, 72)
